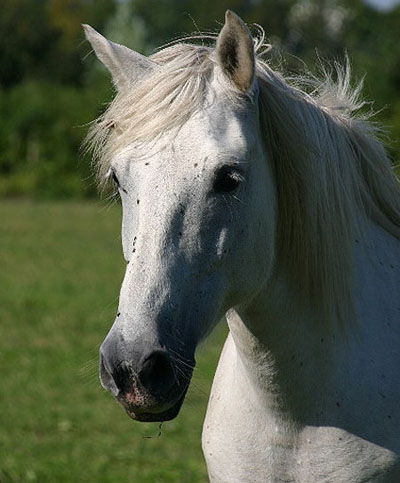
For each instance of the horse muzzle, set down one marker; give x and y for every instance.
(151, 388)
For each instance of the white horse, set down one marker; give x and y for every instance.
(245, 196)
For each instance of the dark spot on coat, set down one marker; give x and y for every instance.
(338, 404)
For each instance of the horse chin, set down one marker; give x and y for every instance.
(153, 415)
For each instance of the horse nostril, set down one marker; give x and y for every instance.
(118, 380)
(157, 373)
(123, 377)
(106, 379)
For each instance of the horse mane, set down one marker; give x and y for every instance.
(332, 171)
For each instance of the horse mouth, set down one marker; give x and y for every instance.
(155, 414)
(143, 399)
(145, 407)
(156, 417)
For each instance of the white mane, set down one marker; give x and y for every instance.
(331, 169)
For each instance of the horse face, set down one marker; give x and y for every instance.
(197, 231)
(193, 207)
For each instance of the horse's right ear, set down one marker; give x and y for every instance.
(125, 65)
(235, 52)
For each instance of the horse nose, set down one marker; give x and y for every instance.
(157, 373)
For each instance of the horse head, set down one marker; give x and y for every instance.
(198, 208)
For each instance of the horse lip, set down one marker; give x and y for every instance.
(159, 413)
(157, 417)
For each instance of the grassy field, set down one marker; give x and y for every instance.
(60, 272)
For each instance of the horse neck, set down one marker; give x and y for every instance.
(283, 353)
(296, 361)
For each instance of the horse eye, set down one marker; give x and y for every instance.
(227, 179)
(114, 177)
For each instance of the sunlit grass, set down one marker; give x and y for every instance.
(60, 272)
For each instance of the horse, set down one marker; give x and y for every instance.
(268, 200)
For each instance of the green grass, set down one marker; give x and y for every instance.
(60, 272)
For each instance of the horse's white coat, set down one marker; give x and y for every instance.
(294, 399)
(294, 403)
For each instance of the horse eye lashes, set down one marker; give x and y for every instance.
(116, 181)
(114, 177)
(227, 179)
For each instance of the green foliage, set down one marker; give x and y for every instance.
(62, 266)
(40, 39)
(42, 129)
(126, 27)
(48, 96)
(50, 87)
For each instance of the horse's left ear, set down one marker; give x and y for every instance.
(125, 65)
(235, 52)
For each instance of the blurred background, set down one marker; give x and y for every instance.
(60, 257)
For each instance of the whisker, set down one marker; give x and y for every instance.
(238, 199)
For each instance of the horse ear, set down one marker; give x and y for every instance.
(235, 52)
(125, 65)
